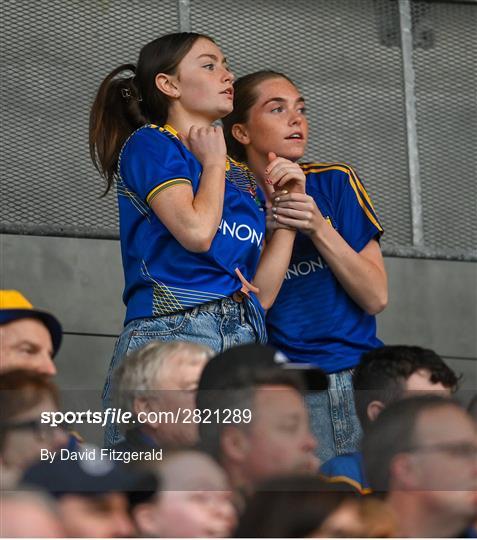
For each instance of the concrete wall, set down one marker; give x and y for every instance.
(432, 303)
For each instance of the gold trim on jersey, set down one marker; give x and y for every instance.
(355, 183)
(169, 183)
(171, 130)
(350, 481)
(175, 133)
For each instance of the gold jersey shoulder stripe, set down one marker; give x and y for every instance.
(357, 186)
(367, 211)
(323, 164)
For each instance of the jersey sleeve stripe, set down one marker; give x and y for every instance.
(169, 183)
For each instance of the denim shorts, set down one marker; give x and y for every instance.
(333, 417)
(220, 325)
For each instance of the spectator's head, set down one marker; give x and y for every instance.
(96, 516)
(252, 128)
(422, 450)
(29, 515)
(163, 377)
(24, 395)
(94, 496)
(263, 426)
(306, 506)
(392, 372)
(29, 338)
(363, 517)
(194, 501)
(292, 506)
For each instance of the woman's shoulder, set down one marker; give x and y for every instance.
(334, 167)
(334, 175)
(330, 179)
(147, 132)
(149, 139)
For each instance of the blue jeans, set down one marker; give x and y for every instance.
(220, 325)
(333, 417)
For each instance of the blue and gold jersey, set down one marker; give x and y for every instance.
(313, 320)
(348, 468)
(161, 276)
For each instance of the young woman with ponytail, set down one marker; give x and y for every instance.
(192, 222)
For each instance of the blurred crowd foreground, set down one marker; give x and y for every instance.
(258, 474)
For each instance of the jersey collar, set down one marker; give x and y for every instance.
(174, 133)
(171, 130)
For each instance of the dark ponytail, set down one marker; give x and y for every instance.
(125, 103)
(115, 114)
(245, 97)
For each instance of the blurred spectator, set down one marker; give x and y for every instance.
(270, 435)
(29, 338)
(24, 395)
(385, 375)
(195, 500)
(392, 372)
(160, 377)
(289, 507)
(300, 506)
(359, 518)
(29, 515)
(422, 451)
(94, 496)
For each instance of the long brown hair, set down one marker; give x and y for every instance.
(128, 98)
(245, 97)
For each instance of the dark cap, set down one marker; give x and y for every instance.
(242, 366)
(14, 306)
(90, 477)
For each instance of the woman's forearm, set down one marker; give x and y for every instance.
(273, 265)
(362, 274)
(207, 206)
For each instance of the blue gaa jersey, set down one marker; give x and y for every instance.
(348, 468)
(313, 320)
(161, 276)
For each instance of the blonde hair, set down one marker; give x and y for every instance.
(140, 373)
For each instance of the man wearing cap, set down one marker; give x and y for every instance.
(29, 338)
(258, 385)
(94, 496)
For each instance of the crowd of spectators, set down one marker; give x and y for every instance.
(249, 466)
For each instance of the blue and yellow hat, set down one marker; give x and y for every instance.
(14, 306)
